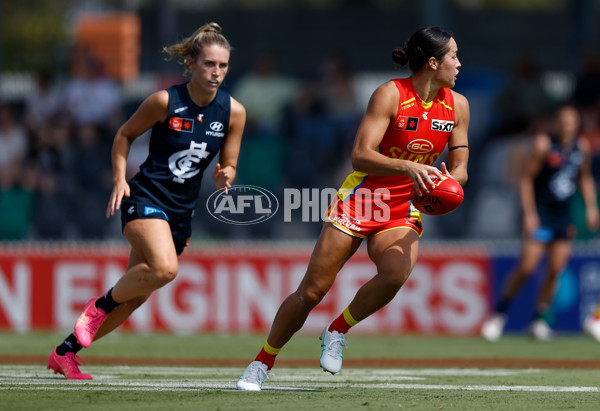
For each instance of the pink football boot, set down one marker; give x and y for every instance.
(67, 365)
(88, 323)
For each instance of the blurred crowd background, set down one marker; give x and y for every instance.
(72, 71)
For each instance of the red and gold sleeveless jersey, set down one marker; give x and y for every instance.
(419, 133)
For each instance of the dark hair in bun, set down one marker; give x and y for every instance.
(424, 43)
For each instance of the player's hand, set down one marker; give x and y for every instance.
(420, 175)
(592, 219)
(222, 178)
(445, 170)
(531, 222)
(121, 189)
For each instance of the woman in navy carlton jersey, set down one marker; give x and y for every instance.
(558, 162)
(401, 114)
(191, 123)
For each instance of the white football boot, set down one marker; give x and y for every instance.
(591, 325)
(253, 378)
(492, 328)
(331, 354)
(540, 330)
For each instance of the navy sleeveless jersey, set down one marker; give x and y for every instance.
(557, 182)
(180, 149)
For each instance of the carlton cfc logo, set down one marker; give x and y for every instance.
(419, 146)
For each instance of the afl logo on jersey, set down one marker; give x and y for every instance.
(406, 123)
(181, 124)
(419, 146)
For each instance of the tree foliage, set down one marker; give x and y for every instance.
(30, 33)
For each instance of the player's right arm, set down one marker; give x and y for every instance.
(541, 146)
(382, 109)
(588, 186)
(152, 111)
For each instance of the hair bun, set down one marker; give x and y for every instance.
(400, 55)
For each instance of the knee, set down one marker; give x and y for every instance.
(165, 272)
(312, 295)
(393, 280)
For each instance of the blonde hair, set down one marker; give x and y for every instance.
(207, 35)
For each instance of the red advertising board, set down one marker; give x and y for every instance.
(237, 289)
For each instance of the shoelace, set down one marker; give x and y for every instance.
(336, 344)
(257, 374)
(75, 360)
(94, 323)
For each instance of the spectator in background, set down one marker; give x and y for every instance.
(321, 123)
(52, 151)
(43, 103)
(559, 161)
(339, 95)
(587, 85)
(312, 135)
(13, 144)
(17, 179)
(93, 97)
(523, 99)
(92, 180)
(265, 92)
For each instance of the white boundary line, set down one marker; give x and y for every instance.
(29, 377)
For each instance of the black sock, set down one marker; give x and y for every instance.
(502, 305)
(539, 315)
(70, 344)
(106, 303)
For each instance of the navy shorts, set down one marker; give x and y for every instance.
(181, 227)
(547, 233)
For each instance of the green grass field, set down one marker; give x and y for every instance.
(136, 372)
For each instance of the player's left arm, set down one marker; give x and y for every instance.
(458, 143)
(588, 187)
(225, 170)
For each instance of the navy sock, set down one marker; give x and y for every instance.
(106, 303)
(70, 344)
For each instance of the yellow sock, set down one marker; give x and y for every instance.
(348, 317)
(270, 350)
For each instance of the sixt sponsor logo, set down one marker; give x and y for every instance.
(442, 125)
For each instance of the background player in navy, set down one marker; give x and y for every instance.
(190, 123)
(557, 163)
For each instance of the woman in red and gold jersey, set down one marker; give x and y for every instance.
(407, 125)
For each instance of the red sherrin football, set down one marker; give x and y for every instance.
(444, 198)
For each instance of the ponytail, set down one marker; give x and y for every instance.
(207, 35)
